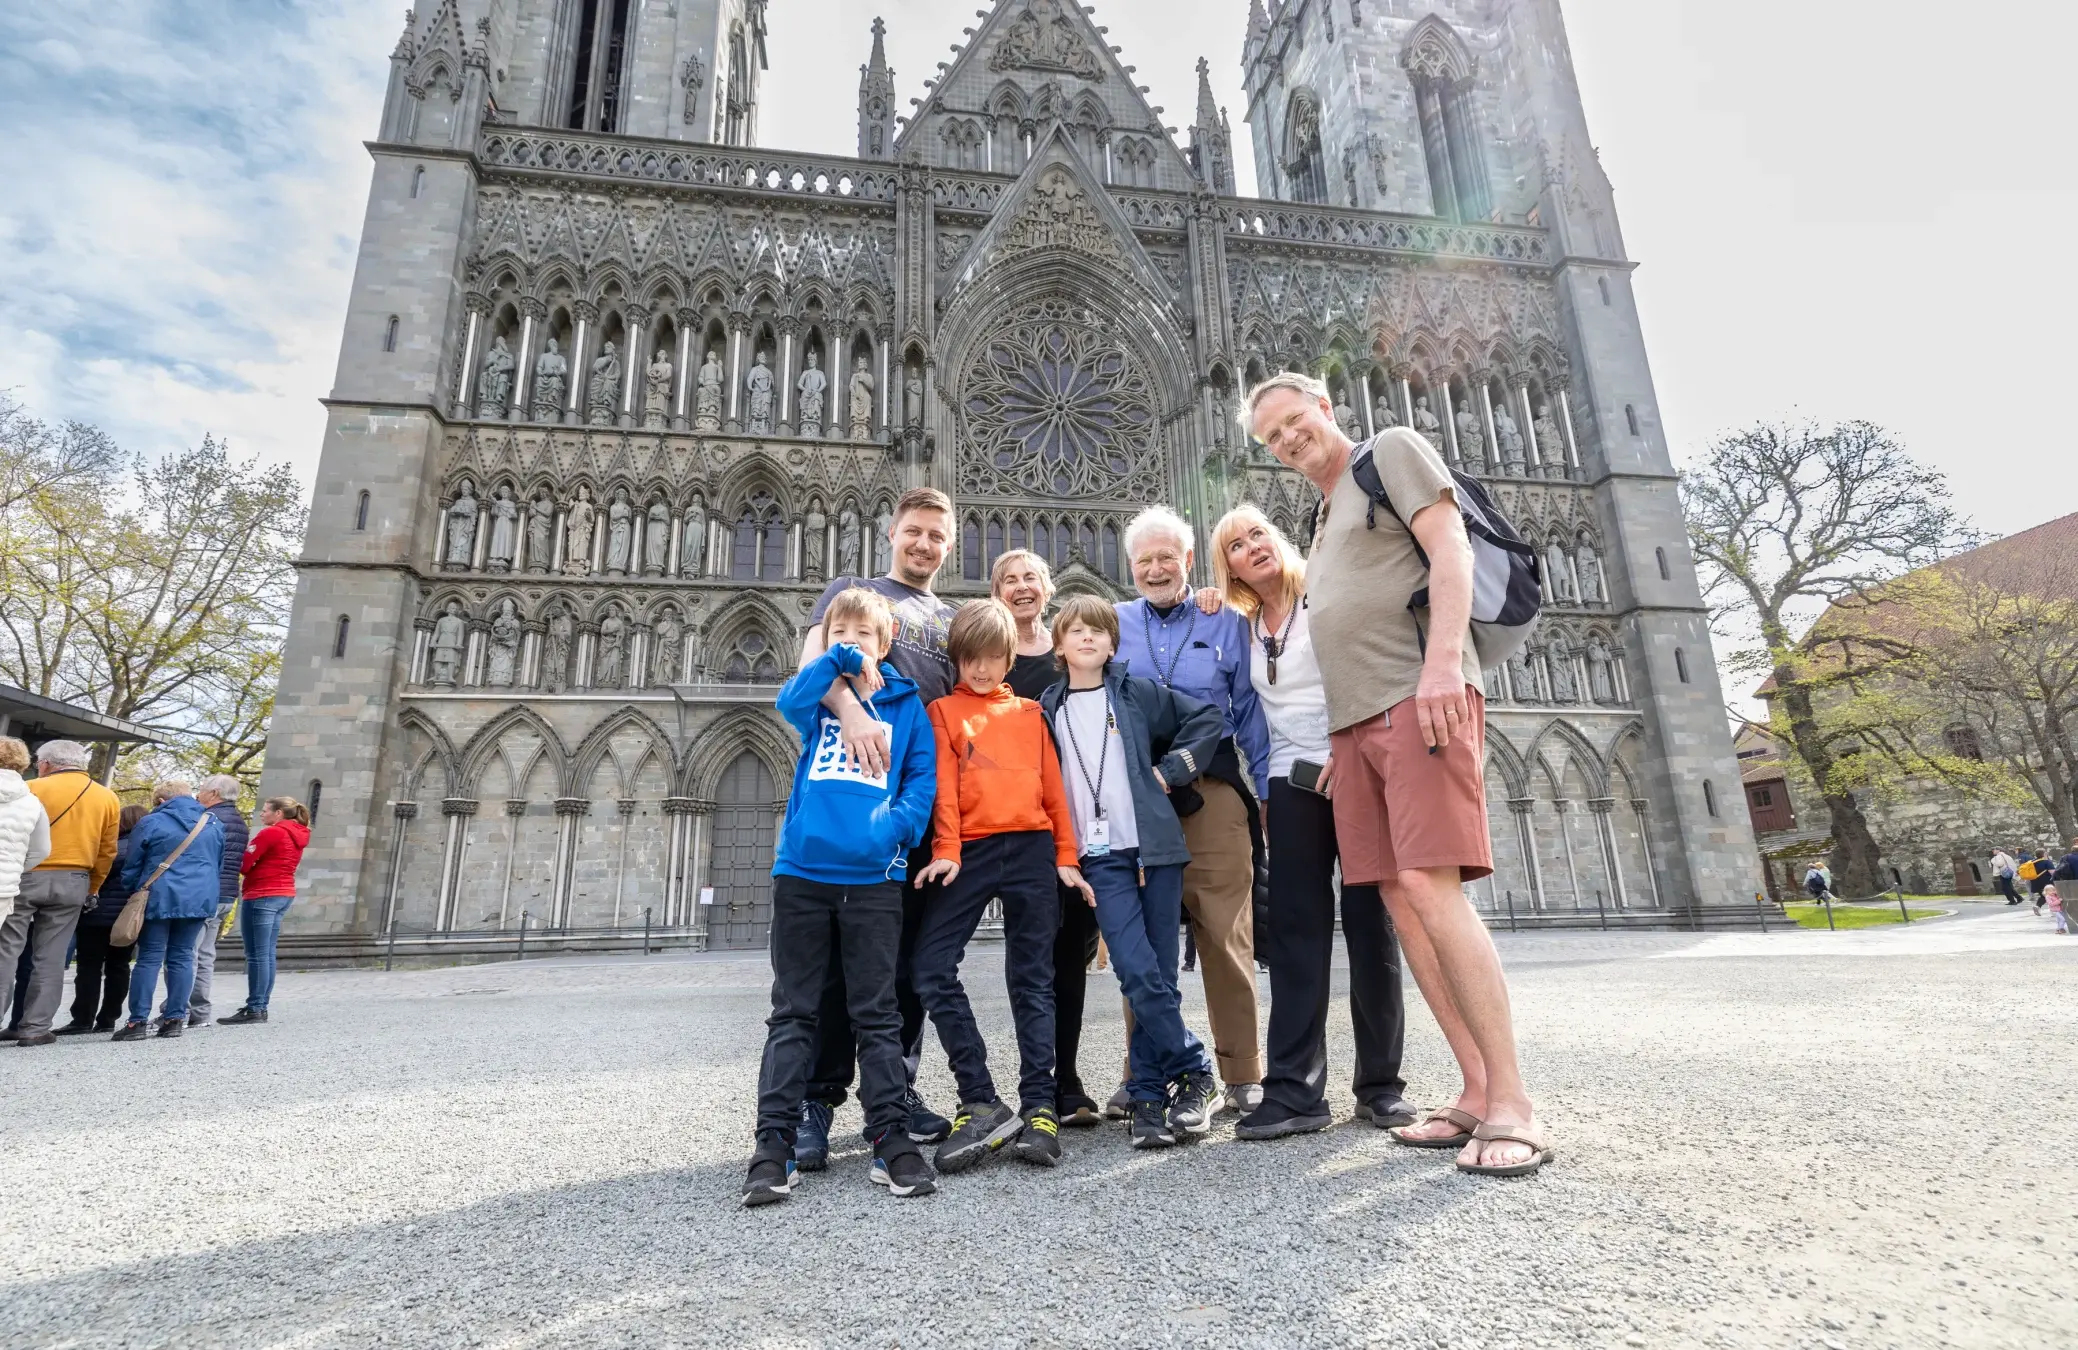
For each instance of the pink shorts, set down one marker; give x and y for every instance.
(1399, 808)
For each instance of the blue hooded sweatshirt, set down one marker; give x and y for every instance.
(189, 888)
(844, 827)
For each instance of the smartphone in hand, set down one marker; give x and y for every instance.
(1306, 775)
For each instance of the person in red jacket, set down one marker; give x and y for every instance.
(269, 872)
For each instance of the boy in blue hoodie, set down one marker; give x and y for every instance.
(837, 885)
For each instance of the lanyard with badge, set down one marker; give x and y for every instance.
(1099, 842)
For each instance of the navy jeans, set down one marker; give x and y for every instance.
(1019, 868)
(1139, 922)
(167, 943)
(259, 923)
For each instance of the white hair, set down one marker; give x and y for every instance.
(170, 789)
(222, 786)
(1159, 520)
(62, 754)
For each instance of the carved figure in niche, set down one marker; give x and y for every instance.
(759, 383)
(610, 665)
(461, 528)
(1551, 443)
(1471, 437)
(620, 531)
(1222, 413)
(1383, 417)
(859, 405)
(541, 528)
(707, 404)
(670, 644)
(550, 371)
(1557, 574)
(692, 552)
(504, 530)
(848, 542)
(1345, 418)
(1593, 589)
(450, 635)
(1565, 681)
(1522, 676)
(1513, 455)
(601, 393)
(811, 386)
(504, 647)
(883, 541)
(577, 534)
(1043, 38)
(656, 539)
(913, 399)
(555, 651)
(494, 384)
(656, 391)
(1427, 424)
(1601, 675)
(813, 529)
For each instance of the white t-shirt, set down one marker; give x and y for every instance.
(1296, 707)
(1092, 752)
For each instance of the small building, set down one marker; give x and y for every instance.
(37, 719)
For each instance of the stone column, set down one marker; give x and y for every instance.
(514, 810)
(1565, 820)
(587, 642)
(628, 807)
(1486, 413)
(1404, 379)
(1525, 419)
(459, 811)
(574, 384)
(636, 365)
(403, 813)
(739, 329)
(1603, 808)
(523, 364)
(532, 633)
(673, 559)
(638, 656)
(473, 644)
(464, 386)
(679, 405)
(886, 338)
(1526, 831)
(1638, 809)
(568, 809)
(679, 811)
(422, 637)
(789, 328)
(1447, 414)
(696, 914)
(1565, 420)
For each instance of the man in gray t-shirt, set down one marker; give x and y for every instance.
(1407, 718)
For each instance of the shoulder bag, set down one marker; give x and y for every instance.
(130, 922)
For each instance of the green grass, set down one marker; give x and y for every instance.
(1853, 916)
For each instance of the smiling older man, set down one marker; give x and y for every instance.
(1165, 638)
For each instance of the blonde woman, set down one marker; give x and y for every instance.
(1262, 577)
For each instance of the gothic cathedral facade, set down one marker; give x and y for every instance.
(620, 390)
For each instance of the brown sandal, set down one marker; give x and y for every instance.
(1466, 1122)
(1528, 1135)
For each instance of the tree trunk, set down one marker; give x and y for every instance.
(1856, 861)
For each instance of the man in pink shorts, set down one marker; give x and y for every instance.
(1408, 740)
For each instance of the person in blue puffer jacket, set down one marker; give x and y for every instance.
(182, 900)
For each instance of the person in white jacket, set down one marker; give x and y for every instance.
(25, 840)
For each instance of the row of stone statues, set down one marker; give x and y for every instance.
(448, 649)
(1563, 664)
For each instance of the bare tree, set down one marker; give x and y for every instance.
(36, 457)
(1797, 529)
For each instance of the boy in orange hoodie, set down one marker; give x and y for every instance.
(1001, 827)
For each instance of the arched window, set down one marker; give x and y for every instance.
(1111, 558)
(1086, 540)
(1305, 164)
(1017, 534)
(1042, 539)
(1630, 417)
(1447, 108)
(758, 546)
(743, 555)
(317, 792)
(361, 512)
(1710, 796)
(339, 636)
(598, 65)
(751, 661)
(1666, 573)
(1681, 665)
(995, 539)
(418, 181)
(1603, 282)
(772, 556)
(970, 550)
(389, 334)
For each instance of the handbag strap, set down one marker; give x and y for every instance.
(174, 856)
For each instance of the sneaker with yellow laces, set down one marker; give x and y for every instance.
(1041, 1141)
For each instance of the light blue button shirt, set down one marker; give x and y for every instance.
(1206, 657)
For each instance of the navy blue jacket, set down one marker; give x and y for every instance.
(189, 888)
(235, 839)
(1149, 715)
(2067, 870)
(108, 904)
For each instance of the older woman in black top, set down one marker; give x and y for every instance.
(101, 983)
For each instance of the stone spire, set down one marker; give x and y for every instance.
(877, 101)
(1212, 144)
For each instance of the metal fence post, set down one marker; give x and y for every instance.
(389, 950)
(1829, 925)
(1511, 911)
(1601, 913)
(1762, 902)
(645, 930)
(521, 953)
(1903, 913)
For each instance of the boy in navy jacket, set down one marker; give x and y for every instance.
(837, 882)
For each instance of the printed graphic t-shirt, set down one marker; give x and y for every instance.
(923, 623)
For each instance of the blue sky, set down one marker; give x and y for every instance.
(1840, 209)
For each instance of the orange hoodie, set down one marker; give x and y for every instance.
(998, 773)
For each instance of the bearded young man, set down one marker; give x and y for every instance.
(1407, 728)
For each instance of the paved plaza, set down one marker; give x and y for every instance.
(1799, 1139)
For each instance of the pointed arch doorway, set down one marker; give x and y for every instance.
(746, 828)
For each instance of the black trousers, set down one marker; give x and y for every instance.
(1073, 950)
(1300, 941)
(101, 981)
(2005, 888)
(836, 1051)
(814, 926)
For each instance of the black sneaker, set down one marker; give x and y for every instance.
(1041, 1141)
(1271, 1121)
(196, 1019)
(132, 1031)
(168, 1030)
(1192, 1102)
(925, 1125)
(904, 1174)
(243, 1017)
(812, 1136)
(1386, 1111)
(978, 1131)
(1077, 1111)
(1151, 1126)
(77, 1029)
(771, 1180)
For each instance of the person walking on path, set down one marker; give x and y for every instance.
(1165, 638)
(269, 874)
(2003, 870)
(25, 841)
(219, 796)
(101, 979)
(2044, 870)
(1406, 715)
(82, 823)
(178, 859)
(1263, 578)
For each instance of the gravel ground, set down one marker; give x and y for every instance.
(1803, 1139)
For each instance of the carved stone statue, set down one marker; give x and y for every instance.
(577, 535)
(1558, 575)
(1589, 564)
(656, 391)
(555, 651)
(692, 551)
(848, 543)
(883, 542)
(1565, 680)
(1043, 38)
(1522, 676)
(620, 532)
(504, 531)
(610, 664)
(1513, 455)
(1345, 418)
(461, 528)
(913, 400)
(670, 646)
(1551, 442)
(813, 529)
(1427, 423)
(811, 387)
(1222, 414)
(707, 404)
(656, 538)
(1601, 677)
(550, 372)
(1471, 436)
(603, 392)
(541, 529)
(450, 636)
(1383, 417)
(494, 383)
(759, 383)
(859, 404)
(504, 647)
